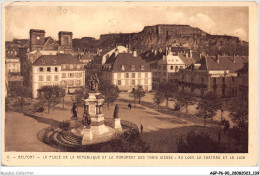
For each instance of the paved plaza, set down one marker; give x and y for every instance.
(160, 129)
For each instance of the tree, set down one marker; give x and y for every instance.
(185, 99)
(51, 94)
(168, 90)
(79, 95)
(198, 143)
(138, 93)
(20, 92)
(158, 98)
(110, 93)
(208, 105)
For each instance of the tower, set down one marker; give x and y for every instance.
(36, 39)
(65, 41)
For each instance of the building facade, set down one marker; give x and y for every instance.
(212, 73)
(62, 69)
(126, 70)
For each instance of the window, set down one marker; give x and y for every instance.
(142, 67)
(171, 67)
(133, 75)
(133, 82)
(176, 69)
(41, 69)
(71, 83)
(126, 75)
(70, 75)
(132, 67)
(181, 67)
(122, 67)
(79, 75)
(41, 78)
(42, 61)
(139, 75)
(119, 82)
(48, 69)
(48, 78)
(56, 78)
(56, 69)
(78, 82)
(63, 75)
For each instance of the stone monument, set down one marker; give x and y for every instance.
(117, 123)
(74, 122)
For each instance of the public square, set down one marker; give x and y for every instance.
(161, 129)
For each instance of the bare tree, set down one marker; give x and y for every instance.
(158, 99)
(138, 93)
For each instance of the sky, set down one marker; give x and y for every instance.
(92, 20)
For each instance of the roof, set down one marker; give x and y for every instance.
(225, 63)
(56, 60)
(126, 60)
(65, 32)
(37, 30)
(187, 60)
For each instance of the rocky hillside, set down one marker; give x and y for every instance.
(160, 36)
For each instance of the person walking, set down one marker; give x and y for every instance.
(141, 128)
(130, 106)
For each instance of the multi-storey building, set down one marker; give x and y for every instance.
(126, 70)
(165, 65)
(212, 73)
(12, 65)
(62, 69)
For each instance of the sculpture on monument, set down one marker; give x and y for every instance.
(93, 83)
(74, 110)
(116, 111)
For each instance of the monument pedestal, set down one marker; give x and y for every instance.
(117, 124)
(74, 122)
(87, 136)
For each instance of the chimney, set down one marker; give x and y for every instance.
(190, 53)
(217, 58)
(234, 58)
(135, 53)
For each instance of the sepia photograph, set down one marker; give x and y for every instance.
(129, 77)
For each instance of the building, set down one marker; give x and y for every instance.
(165, 65)
(12, 65)
(62, 69)
(13, 71)
(212, 73)
(243, 83)
(126, 69)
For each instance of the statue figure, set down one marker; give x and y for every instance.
(87, 120)
(74, 110)
(116, 111)
(93, 83)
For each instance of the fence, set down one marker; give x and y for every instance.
(125, 124)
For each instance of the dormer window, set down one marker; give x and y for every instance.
(142, 67)
(122, 67)
(132, 67)
(42, 61)
(55, 61)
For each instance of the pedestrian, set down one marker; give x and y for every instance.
(130, 106)
(141, 128)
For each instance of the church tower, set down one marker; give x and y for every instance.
(36, 39)
(65, 41)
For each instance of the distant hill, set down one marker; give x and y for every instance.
(162, 35)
